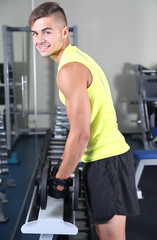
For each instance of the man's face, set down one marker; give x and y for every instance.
(47, 36)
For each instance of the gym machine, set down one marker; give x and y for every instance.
(147, 101)
(4, 169)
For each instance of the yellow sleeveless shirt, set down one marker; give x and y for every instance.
(105, 138)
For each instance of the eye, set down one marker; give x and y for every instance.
(47, 32)
(34, 34)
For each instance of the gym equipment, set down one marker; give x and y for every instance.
(66, 216)
(2, 73)
(44, 172)
(47, 168)
(39, 219)
(147, 101)
(53, 182)
(3, 149)
(3, 168)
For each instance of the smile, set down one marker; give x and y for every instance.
(43, 47)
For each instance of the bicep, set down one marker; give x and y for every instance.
(78, 109)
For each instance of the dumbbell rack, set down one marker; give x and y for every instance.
(3, 149)
(3, 167)
(76, 221)
(82, 220)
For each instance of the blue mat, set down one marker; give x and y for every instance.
(145, 154)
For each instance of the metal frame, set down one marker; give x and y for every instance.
(139, 170)
(146, 95)
(145, 158)
(9, 83)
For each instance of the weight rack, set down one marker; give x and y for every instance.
(3, 168)
(75, 207)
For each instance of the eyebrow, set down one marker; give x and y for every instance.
(42, 30)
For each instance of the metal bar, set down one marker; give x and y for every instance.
(46, 237)
(18, 29)
(35, 87)
(22, 88)
(6, 81)
(13, 85)
(23, 84)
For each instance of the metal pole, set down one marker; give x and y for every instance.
(35, 92)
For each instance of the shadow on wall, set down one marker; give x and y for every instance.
(127, 100)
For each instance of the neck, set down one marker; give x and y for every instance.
(58, 56)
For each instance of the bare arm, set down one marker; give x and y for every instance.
(73, 81)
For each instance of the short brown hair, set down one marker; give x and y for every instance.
(46, 9)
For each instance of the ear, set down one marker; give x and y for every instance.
(65, 32)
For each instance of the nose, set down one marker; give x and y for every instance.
(40, 39)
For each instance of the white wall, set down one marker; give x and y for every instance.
(117, 34)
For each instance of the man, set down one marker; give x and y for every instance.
(94, 136)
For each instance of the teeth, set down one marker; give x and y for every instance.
(43, 47)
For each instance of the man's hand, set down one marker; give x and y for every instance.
(55, 185)
(58, 188)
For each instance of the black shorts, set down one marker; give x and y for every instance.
(110, 185)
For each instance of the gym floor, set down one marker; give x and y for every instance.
(141, 227)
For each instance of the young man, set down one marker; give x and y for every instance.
(94, 136)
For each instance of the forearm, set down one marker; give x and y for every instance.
(75, 146)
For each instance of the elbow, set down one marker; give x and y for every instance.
(84, 136)
(79, 136)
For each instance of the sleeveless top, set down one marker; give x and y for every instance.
(105, 138)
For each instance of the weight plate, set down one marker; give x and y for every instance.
(43, 191)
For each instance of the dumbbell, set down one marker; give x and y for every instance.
(4, 170)
(3, 153)
(3, 162)
(48, 176)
